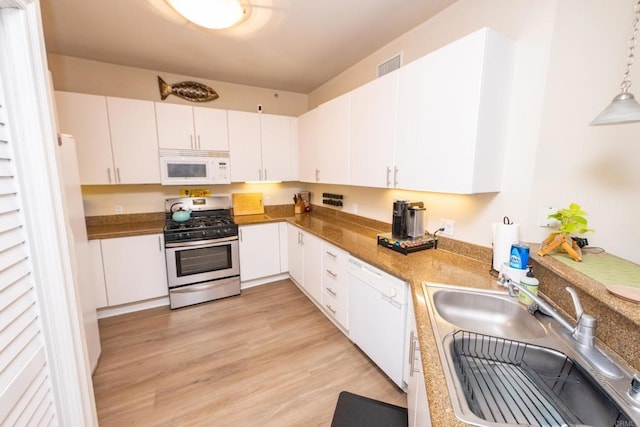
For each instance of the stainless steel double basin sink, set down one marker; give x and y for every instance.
(505, 366)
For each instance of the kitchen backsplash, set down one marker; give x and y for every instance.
(105, 199)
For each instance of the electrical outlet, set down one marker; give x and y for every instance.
(354, 208)
(543, 216)
(119, 209)
(447, 224)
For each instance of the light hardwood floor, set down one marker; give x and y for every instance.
(265, 358)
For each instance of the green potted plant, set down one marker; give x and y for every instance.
(572, 221)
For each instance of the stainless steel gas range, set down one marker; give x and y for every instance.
(202, 251)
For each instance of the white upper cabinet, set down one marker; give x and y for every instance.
(211, 129)
(116, 138)
(373, 132)
(183, 127)
(307, 143)
(452, 116)
(260, 146)
(276, 134)
(134, 140)
(324, 142)
(244, 146)
(85, 117)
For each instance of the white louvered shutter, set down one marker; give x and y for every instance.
(25, 389)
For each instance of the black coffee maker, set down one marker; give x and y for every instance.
(400, 215)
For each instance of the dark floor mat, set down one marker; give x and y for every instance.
(359, 411)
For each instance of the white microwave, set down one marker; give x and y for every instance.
(194, 167)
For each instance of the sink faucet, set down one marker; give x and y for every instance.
(584, 331)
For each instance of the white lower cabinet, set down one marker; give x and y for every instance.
(259, 251)
(134, 268)
(305, 261)
(335, 284)
(100, 287)
(417, 403)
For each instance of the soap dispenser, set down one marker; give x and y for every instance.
(529, 282)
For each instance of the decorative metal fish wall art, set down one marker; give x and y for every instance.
(191, 91)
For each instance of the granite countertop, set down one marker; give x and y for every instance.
(112, 226)
(455, 263)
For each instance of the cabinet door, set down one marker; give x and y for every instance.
(307, 144)
(134, 268)
(134, 140)
(97, 272)
(293, 149)
(417, 404)
(333, 140)
(211, 129)
(452, 115)
(284, 247)
(312, 265)
(244, 146)
(294, 252)
(373, 132)
(175, 126)
(259, 251)
(85, 117)
(276, 147)
(416, 108)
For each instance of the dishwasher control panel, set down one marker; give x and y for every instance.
(388, 285)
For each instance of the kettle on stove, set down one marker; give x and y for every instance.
(180, 214)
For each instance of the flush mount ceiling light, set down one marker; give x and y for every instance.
(624, 108)
(212, 14)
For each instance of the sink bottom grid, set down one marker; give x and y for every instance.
(511, 382)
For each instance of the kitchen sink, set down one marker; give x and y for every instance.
(506, 367)
(489, 313)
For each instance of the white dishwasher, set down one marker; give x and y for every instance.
(377, 316)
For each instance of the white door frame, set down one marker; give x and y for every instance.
(23, 70)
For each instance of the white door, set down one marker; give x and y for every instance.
(134, 140)
(244, 146)
(373, 132)
(175, 126)
(259, 251)
(307, 146)
(333, 140)
(134, 268)
(276, 147)
(211, 129)
(294, 249)
(85, 117)
(312, 265)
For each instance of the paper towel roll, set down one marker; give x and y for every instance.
(504, 235)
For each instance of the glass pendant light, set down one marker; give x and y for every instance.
(623, 108)
(212, 14)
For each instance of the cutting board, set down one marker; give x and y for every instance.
(247, 204)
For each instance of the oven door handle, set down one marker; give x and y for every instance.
(215, 242)
(194, 288)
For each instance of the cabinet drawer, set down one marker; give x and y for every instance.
(337, 291)
(334, 310)
(333, 258)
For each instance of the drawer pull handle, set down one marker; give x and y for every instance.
(332, 255)
(331, 309)
(331, 273)
(331, 291)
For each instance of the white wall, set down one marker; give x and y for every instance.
(102, 199)
(596, 167)
(570, 60)
(99, 78)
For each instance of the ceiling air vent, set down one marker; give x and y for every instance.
(390, 65)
